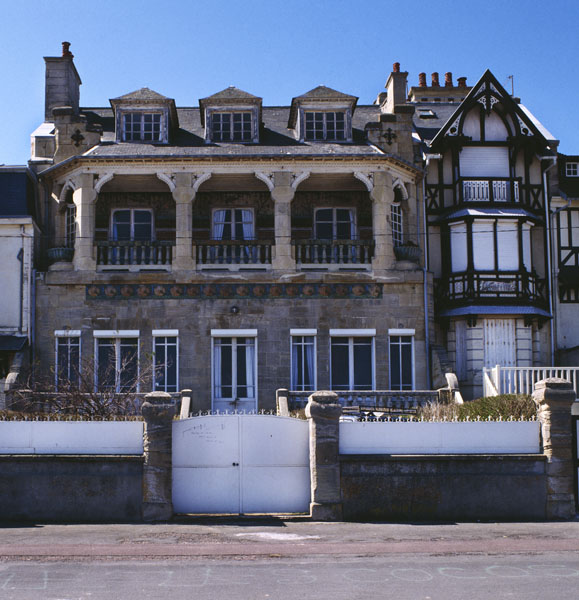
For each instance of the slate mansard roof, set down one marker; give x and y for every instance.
(275, 137)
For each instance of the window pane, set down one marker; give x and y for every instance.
(340, 364)
(407, 365)
(128, 367)
(362, 363)
(106, 364)
(394, 365)
(160, 364)
(122, 225)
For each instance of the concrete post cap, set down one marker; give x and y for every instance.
(158, 398)
(324, 397)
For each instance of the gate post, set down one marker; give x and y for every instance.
(554, 398)
(158, 411)
(323, 412)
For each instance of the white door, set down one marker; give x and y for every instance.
(237, 464)
(499, 343)
(234, 374)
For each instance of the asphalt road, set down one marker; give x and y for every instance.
(278, 559)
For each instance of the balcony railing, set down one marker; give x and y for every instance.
(490, 190)
(519, 286)
(234, 252)
(132, 253)
(522, 380)
(333, 252)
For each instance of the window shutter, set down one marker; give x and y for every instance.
(484, 161)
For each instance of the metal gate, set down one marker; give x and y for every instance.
(240, 463)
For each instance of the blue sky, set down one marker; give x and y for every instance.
(276, 49)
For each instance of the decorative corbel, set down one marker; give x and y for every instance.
(398, 183)
(267, 178)
(297, 178)
(101, 180)
(366, 178)
(199, 179)
(168, 179)
(68, 184)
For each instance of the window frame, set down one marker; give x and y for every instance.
(232, 114)
(132, 211)
(233, 223)
(402, 333)
(69, 224)
(397, 224)
(117, 335)
(572, 169)
(303, 333)
(158, 334)
(67, 334)
(334, 209)
(351, 334)
(143, 113)
(325, 112)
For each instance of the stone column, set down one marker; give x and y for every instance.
(554, 398)
(323, 412)
(158, 412)
(183, 194)
(282, 194)
(84, 198)
(382, 196)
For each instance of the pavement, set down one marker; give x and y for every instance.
(278, 537)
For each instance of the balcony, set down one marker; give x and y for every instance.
(490, 190)
(333, 254)
(491, 287)
(133, 255)
(234, 254)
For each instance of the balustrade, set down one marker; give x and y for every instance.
(234, 252)
(129, 253)
(328, 252)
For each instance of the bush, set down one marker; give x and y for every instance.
(503, 407)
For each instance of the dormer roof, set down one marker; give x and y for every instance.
(321, 94)
(229, 97)
(147, 98)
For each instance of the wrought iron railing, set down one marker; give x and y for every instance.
(490, 190)
(234, 252)
(127, 253)
(333, 252)
(518, 286)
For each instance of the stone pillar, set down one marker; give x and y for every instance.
(323, 412)
(158, 412)
(554, 398)
(183, 194)
(382, 196)
(84, 198)
(282, 194)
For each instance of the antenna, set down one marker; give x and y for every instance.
(512, 78)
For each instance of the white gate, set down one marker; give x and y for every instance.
(241, 463)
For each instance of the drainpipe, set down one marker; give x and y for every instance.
(20, 258)
(549, 262)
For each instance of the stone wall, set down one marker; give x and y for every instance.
(69, 489)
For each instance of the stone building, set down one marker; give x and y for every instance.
(238, 247)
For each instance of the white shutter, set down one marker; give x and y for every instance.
(508, 245)
(499, 342)
(460, 352)
(484, 161)
(458, 250)
(527, 259)
(483, 245)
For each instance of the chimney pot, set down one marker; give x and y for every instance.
(461, 81)
(66, 50)
(448, 79)
(396, 67)
(422, 79)
(435, 82)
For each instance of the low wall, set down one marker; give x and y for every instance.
(68, 489)
(443, 488)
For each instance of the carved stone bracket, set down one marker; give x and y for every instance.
(199, 179)
(297, 178)
(398, 183)
(168, 179)
(267, 178)
(101, 180)
(70, 184)
(366, 178)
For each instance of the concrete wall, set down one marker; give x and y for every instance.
(443, 488)
(70, 489)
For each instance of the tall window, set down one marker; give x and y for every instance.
(234, 370)
(396, 221)
(67, 358)
(303, 360)
(233, 224)
(117, 360)
(335, 224)
(70, 225)
(166, 360)
(231, 127)
(352, 359)
(329, 126)
(401, 343)
(142, 127)
(132, 224)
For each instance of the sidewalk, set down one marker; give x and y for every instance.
(271, 537)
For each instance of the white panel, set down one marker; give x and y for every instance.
(461, 352)
(67, 333)
(527, 257)
(352, 332)
(116, 333)
(206, 490)
(483, 245)
(165, 332)
(499, 342)
(234, 332)
(303, 332)
(574, 228)
(458, 248)
(401, 331)
(495, 130)
(471, 126)
(276, 490)
(516, 437)
(484, 161)
(508, 245)
(71, 437)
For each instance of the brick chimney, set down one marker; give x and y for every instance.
(396, 88)
(461, 81)
(422, 79)
(62, 87)
(435, 82)
(448, 80)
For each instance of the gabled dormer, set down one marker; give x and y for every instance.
(231, 116)
(322, 115)
(144, 116)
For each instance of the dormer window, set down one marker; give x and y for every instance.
(329, 126)
(142, 127)
(572, 169)
(231, 127)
